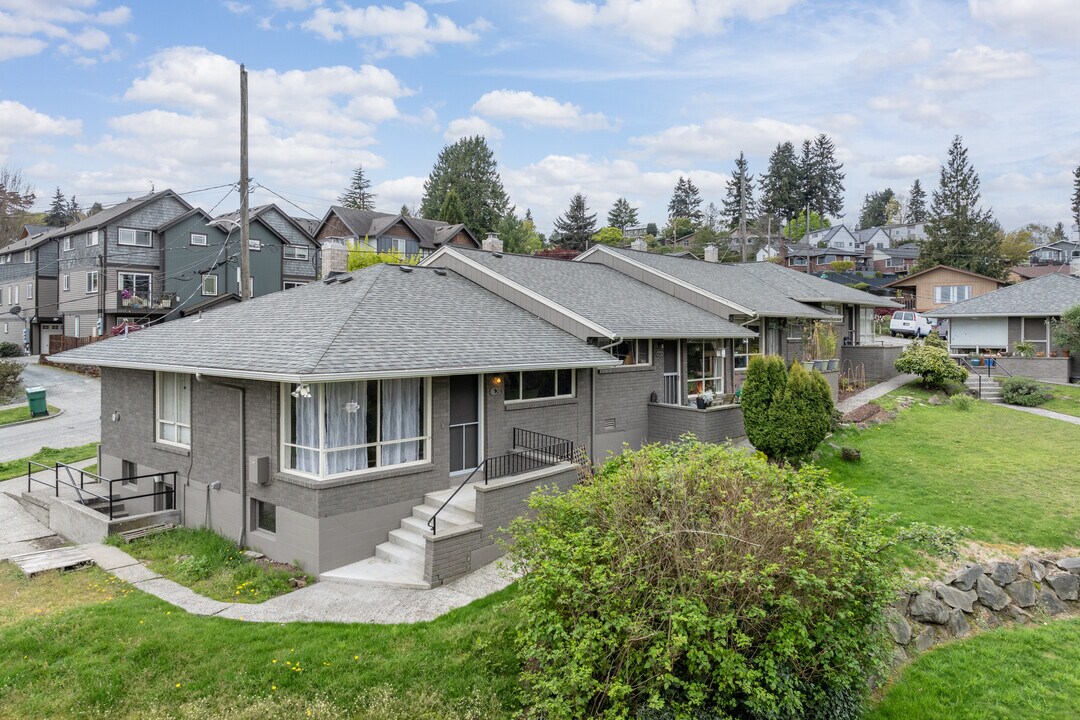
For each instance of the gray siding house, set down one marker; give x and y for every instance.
(299, 254)
(28, 284)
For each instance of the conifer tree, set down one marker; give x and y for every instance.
(739, 186)
(58, 210)
(875, 208)
(829, 180)
(916, 205)
(469, 167)
(685, 201)
(1075, 207)
(452, 210)
(622, 215)
(959, 232)
(576, 226)
(358, 195)
(780, 188)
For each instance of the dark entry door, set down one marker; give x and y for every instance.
(464, 422)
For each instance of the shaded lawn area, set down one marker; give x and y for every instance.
(19, 414)
(47, 456)
(80, 645)
(1066, 399)
(1014, 673)
(1009, 476)
(211, 565)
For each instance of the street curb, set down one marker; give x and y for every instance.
(58, 413)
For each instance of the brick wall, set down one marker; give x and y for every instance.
(667, 423)
(878, 362)
(564, 418)
(622, 399)
(1047, 369)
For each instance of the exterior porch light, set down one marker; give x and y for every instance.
(496, 384)
(302, 391)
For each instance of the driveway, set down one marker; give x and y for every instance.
(77, 395)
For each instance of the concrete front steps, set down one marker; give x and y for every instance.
(399, 562)
(991, 388)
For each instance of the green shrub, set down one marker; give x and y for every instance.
(1024, 391)
(964, 403)
(9, 349)
(694, 580)
(1066, 331)
(10, 385)
(786, 414)
(935, 340)
(932, 363)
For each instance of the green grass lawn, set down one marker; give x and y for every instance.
(19, 414)
(211, 565)
(1015, 673)
(1009, 476)
(47, 456)
(1066, 399)
(94, 648)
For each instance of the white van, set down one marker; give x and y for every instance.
(906, 322)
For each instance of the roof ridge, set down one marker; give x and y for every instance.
(381, 268)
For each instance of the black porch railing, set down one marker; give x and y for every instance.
(108, 502)
(537, 450)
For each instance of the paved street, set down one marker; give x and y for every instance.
(79, 397)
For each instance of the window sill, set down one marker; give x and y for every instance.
(625, 369)
(533, 404)
(356, 478)
(174, 449)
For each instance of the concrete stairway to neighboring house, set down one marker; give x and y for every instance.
(991, 387)
(399, 562)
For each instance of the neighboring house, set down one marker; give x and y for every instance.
(768, 251)
(899, 259)
(111, 265)
(28, 282)
(874, 285)
(1056, 253)
(1019, 273)
(299, 253)
(940, 286)
(386, 232)
(668, 348)
(814, 259)
(366, 418)
(903, 233)
(996, 321)
(31, 230)
(837, 237)
(876, 236)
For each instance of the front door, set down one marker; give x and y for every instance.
(464, 422)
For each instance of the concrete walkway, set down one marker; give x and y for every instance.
(1045, 413)
(874, 392)
(78, 395)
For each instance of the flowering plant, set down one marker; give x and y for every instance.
(126, 294)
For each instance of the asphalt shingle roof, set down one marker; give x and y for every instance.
(627, 307)
(810, 288)
(380, 323)
(432, 233)
(730, 282)
(1044, 296)
(107, 215)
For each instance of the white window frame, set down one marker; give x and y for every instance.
(209, 276)
(744, 345)
(316, 390)
(159, 422)
(952, 297)
(66, 283)
(93, 237)
(120, 282)
(290, 284)
(557, 396)
(92, 279)
(16, 301)
(69, 243)
(28, 256)
(293, 252)
(29, 291)
(717, 380)
(201, 239)
(636, 345)
(133, 235)
(77, 325)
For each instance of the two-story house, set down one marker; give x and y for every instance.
(299, 254)
(1056, 253)
(892, 260)
(28, 304)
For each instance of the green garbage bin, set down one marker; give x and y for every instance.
(35, 398)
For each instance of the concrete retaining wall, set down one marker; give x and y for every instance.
(1048, 369)
(878, 361)
(667, 423)
(80, 524)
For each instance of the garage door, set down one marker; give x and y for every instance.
(979, 333)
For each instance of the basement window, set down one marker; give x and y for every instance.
(264, 515)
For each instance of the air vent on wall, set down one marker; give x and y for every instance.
(609, 424)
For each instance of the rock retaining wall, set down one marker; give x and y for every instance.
(983, 596)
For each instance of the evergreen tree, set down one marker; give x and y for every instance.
(622, 215)
(916, 206)
(452, 210)
(470, 168)
(1058, 233)
(685, 201)
(74, 211)
(16, 199)
(519, 235)
(959, 233)
(1075, 207)
(651, 229)
(58, 210)
(358, 195)
(780, 187)
(576, 226)
(404, 211)
(739, 187)
(712, 218)
(96, 208)
(875, 208)
(828, 178)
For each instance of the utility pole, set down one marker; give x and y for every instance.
(245, 231)
(742, 209)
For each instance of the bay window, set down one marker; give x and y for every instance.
(539, 385)
(173, 409)
(704, 367)
(335, 429)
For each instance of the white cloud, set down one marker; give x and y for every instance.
(35, 25)
(658, 24)
(533, 109)
(926, 113)
(236, 8)
(392, 194)
(18, 121)
(408, 31)
(898, 55)
(720, 139)
(969, 68)
(469, 126)
(905, 166)
(1057, 20)
(296, 5)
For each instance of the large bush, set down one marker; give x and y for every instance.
(932, 363)
(786, 414)
(9, 349)
(10, 385)
(694, 580)
(1024, 391)
(1067, 330)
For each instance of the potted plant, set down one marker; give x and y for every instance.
(705, 399)
(125, 297)
(1024, 348)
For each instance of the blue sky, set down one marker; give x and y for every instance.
(607, 97)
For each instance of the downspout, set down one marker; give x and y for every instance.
(242, 538)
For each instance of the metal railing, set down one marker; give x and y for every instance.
(537, 450)
(671, 388)
(965, 362)
(112, 499)
(136, 300)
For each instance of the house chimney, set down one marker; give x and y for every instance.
(335, 256)
(712, 253)
(492, 243)
(1074, 267)
(639, 244)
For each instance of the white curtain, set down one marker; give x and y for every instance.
(167, 406)
(346, 425)
(305, 431)
(400, 418)
(183, 409)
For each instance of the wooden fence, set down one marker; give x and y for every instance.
(60, 343)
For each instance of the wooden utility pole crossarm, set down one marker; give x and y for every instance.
(245, 251)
